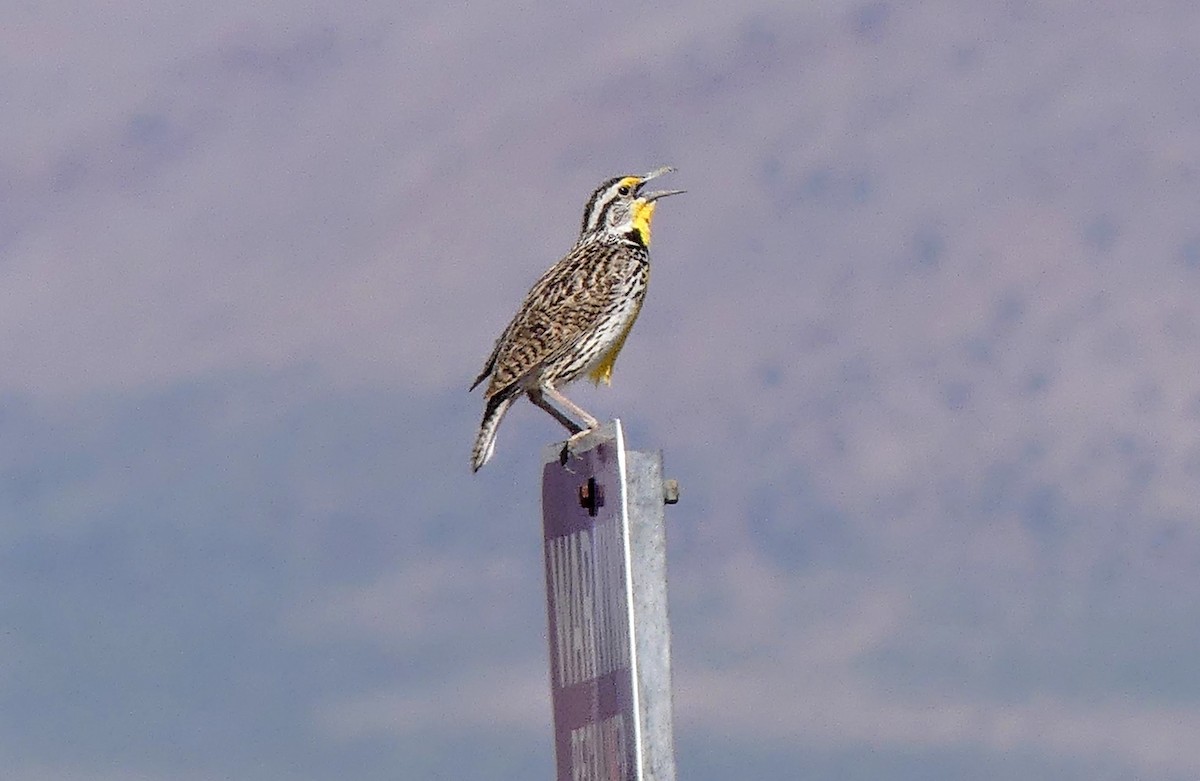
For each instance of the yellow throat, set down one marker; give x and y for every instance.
(643, 213)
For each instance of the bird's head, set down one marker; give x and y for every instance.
(620, 207)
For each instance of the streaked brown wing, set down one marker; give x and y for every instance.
(560, 308)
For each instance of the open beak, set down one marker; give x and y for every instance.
(654, 196)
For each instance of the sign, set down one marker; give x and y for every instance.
(593, 664)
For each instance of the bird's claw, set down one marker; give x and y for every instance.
(568, 448)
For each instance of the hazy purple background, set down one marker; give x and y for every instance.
(921, 346)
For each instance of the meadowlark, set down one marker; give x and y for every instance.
(575, 319)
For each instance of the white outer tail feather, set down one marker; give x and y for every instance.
(485, 442)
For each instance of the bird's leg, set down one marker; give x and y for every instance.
(539, 400)
(589, 422)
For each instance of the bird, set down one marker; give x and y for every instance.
(576, 317)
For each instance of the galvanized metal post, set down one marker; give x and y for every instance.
(606, 597)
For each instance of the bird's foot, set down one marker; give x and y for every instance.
(568, 448)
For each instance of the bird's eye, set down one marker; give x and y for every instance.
(623, 190)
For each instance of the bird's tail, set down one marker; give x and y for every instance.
(485, 442)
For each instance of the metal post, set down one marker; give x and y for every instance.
(606, 596)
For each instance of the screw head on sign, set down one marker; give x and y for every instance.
(591, 496)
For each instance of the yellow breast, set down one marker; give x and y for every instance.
(643, 214)
(603, 371)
